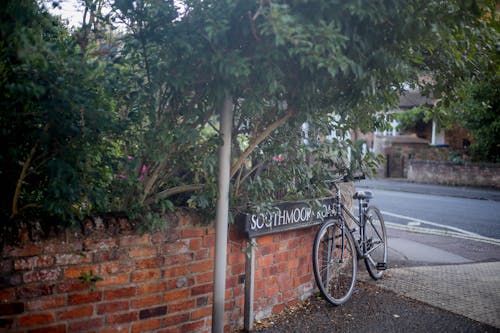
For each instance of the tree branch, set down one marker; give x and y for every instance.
(173, 191)
(20, 181)
(259, 139)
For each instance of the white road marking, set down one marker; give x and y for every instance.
(438, 232)
(414, 220)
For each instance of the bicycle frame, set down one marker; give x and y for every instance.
(335, 261)
(359, 221)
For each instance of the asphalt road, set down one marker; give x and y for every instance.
(433, 225)
(468, 211)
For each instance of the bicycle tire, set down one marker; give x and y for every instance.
(335, 279)
(375, 243)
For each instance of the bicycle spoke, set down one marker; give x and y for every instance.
(375, 243)
(334, 263)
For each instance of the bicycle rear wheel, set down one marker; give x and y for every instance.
(335, 262)
(375, 244)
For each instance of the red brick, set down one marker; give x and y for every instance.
(268, 249)
(195, 244)
(152, 287)
(192, 233)
(281, 256)
(85, 325)
(302, 252)
(54, 247)
(50, 329)
(116, 267)
(35, 291)
(236, 258)
(146, 325)
(42, 275)
(130, 240)
(161, 237)
(147, 301)
(293, 264)
(111, 307)
(176, 294)
(203, 289)
(88, 297)
(176, 247)
(76, 312)
(202, 266)
(154, 262)
(36, 319)
(191, 327)
(7, 294)
(153, 312)
(121, 318)
(178, 259)
(181, 306)
(70, 286)
(238, 269)
(175, 319)
(110, 255)
(171, 272)
(278, 308)
(209, 241)
(180, 282)
(72, 259)
(268, 239)
(24, 251)
(170, 330)
(145, 275)
(44, 303)
(201, 313)
(202, 254)
(99, 244)
(204, 277)
(302, 280)
(77, 271)
(264, 261)
(113, 280)
(115, 329)
(120, 293)
(143, 251)
(31, 263)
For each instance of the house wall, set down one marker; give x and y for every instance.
(151, 282)
(447, 173)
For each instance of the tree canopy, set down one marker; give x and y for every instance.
(121, 113)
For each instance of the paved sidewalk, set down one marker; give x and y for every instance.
(470, 290)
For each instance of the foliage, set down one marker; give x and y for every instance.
(122, 113)
(414, 119)
(463, 58)
(479, 111)
(89, 279)
(56, 122)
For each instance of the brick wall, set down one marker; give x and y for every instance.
(161, 282)
(447, 173)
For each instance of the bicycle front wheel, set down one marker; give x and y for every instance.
(375, 243)
(335, 262)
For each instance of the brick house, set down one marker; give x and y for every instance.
(425, 142)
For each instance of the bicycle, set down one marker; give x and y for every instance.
(338, 246)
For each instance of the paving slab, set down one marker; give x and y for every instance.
(415, 251)
(470, 290)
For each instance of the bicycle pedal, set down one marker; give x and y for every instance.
(381, 266)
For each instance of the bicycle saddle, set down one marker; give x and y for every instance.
(363, 195)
